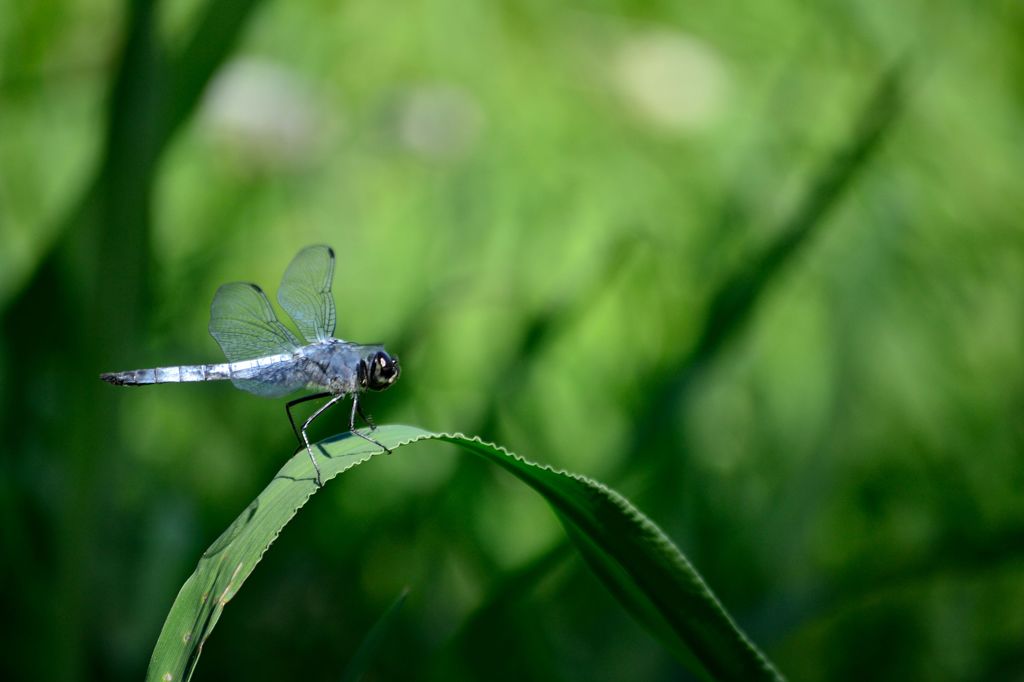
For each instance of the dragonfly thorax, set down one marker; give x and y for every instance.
(343, 367)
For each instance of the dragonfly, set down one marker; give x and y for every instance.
(267, 359)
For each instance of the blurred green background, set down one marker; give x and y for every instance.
(757, 265)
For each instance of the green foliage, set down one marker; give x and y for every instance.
(722, 256)
(638, 562)
(371, 645)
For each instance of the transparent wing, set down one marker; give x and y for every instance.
(245, 326)
(271, 380)
(305, 292)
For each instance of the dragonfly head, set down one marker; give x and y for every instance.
(379, 371)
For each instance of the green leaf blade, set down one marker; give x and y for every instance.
(640, 565)
(232, 557)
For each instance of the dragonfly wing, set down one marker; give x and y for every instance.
(305, 292)
(270, 379)
(244, 325)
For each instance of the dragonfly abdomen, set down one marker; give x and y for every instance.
(169, 375)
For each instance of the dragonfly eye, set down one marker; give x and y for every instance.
(383, 371)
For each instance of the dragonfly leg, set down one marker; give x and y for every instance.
(366, 417)
(297, 401)
(353, 429)
(305, 436)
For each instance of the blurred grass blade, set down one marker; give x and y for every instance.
(216, 33)
(634, 558)
(732, 304)
(371, 645)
